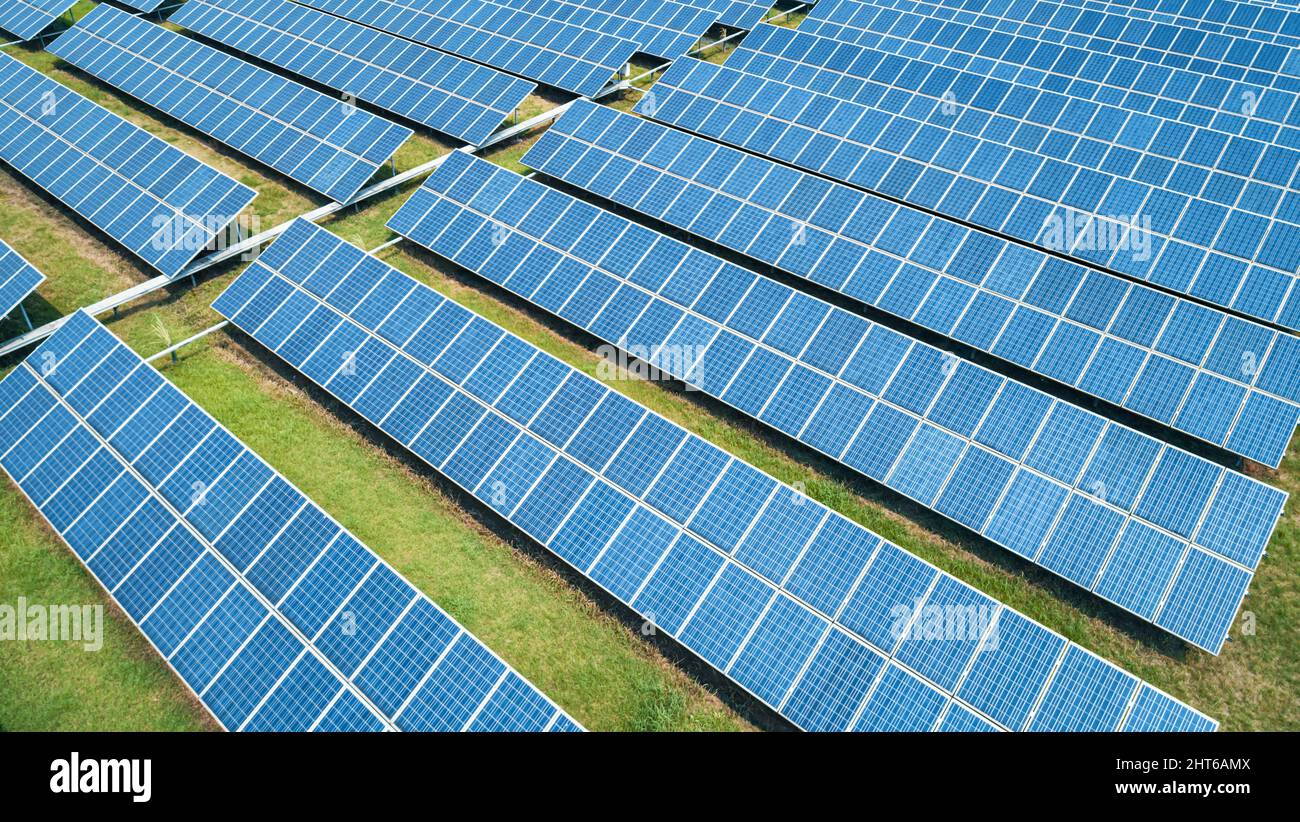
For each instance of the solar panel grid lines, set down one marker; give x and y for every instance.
(159, 202)
(217, 594)
(1225, 198)
(439, 90)
(796, 385)
(977, 44)
(463, 395)
(295, 563)
(28, 18)
(18, 279)
(557, 54)
(1239, 261)
(662, 28)
(1230, 19)
(1217, 54)
(1116, 340)
(328, 145)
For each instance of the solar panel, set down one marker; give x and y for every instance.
(18, 278)
(1257, 58)
(663, 28)
(1144, 201)
(159, 202)
(1219, 378)
(557, 54)
(787, 598)
(142, 5)
(28, 18)
(738, 14)
(274, 615)
(1177, 93)
(959, 439)
(438, 90)
(327, 145)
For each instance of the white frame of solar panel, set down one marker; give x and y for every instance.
(621, 14)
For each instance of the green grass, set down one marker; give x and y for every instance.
(589, 661)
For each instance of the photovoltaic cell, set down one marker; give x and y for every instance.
(28, 18)
(272, 614)
(568, 57)
(435, 89)
(159, 202)
(328, 145)
(955, 437)
(1217, 377)
(1055, 185)
(18, 278)
(603, 510)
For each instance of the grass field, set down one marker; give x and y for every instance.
(583, 652)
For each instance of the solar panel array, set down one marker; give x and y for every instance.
(787, 598)
(18, 278)
(28, 18)
(159, 202)
(1244, 55)
(934, 34)
(272, 614)
(1148, 201)
(663, 28)
(1110, 509)
(327, 145)
(438, 90)
(568, 57)
(1219, 378)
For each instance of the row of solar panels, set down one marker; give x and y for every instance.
(1167, 535)
(787, 598)
(268, 610)
(1222, 379)
(18, 279)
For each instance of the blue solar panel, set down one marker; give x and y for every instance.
(28, 18)
(1147, 201)
(568, 57)
(142, 5)
(438, 90)
(625, 497)
(738, 14)
(963, 434)
(328, 145)
(1216, 377)
(159, 202)
(663, 28)
(272, 614)
(18, 278)
(1242, 53)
